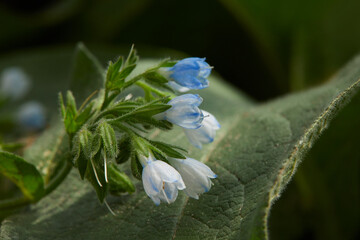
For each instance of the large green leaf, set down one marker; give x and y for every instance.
(255, 154)
(23, 174)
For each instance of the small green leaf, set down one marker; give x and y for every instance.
(132, 57)
(113, 70)
(119, 182)
(136, 167)
(85, 114)
(23, 174)
(168, 149)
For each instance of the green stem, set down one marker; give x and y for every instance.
(55, 182)
(14, 203)
(147, 87)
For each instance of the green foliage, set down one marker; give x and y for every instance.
(119, 182)
(23, 174)
(271, 140)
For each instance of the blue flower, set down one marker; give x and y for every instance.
(31, 116)
(205, 133)
(191, 73)
(196, 175)
(14, 83)
(184, 111)
(161, 181)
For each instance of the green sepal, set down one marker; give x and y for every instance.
(125, 149)
(71, 125)
(167, 63)
(140, 145)
(85, 114)
(97, 164)
(154, 76)
(132, 57)
(136, 167)
(168, 149)
(157, 80)
(82, 164)
(85, 139)
(96, 144)
(107, 134)
(119, 182)
(112, 72)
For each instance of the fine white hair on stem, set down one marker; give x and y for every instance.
(109, 208)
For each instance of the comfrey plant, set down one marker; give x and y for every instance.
(109, 130)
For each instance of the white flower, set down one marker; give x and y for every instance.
(196, 175)
(161, 181)
(14, 83)
(206, 133)
(178, 87)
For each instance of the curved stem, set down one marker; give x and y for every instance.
(14, 203)
(55, 182)
(147, 87)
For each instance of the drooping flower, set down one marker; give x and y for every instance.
(178, 87)
(191, 73)
(31, 116)
(161, 181)
(205, 133)
(196, 175)
(14, 83)
(184, 112)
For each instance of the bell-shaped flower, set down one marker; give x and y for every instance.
(184, 111)
(196, 175)
(161, 181)
(178, 87)
(14, 83)
(205, 133)
(191, 73)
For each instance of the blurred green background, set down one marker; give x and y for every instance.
(264, 48)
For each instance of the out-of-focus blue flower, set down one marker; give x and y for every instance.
(31, 116)
(205, 133)
(196, 175)
(14, 83)
(161, 181)
(184, 111)
(191, 73)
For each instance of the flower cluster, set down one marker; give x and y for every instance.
(109, 130)
(161, 181)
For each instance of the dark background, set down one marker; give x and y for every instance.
(264, 48)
